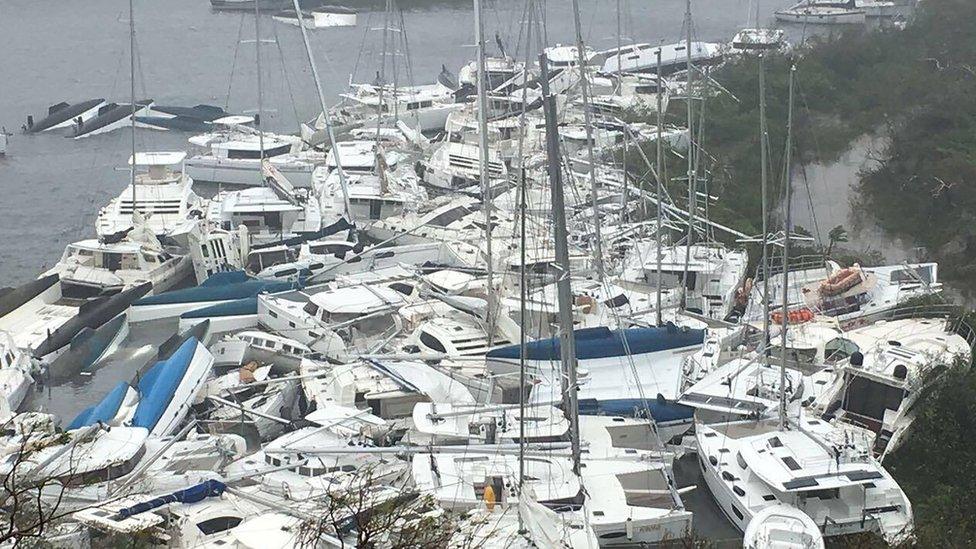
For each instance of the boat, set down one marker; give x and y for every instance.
(65, 115)
(157, 401)
(94, 268)
(268, 216)
(234, 152)
(198, 118)
(247, 5)
(751, 465)
(423, 107)
(87, 348)
(219, 288)
(758, 40)
(823, 13)
(91, 314)
(110, 117)
(782, 527)
(866, 294)
(642, 58)
(16, 377)
(877, 8)
(459, 480)
(322, 17)
(625, 372)
(715, 274)
(230, 316)
(879, 373)
(163, 195)
(31, 312)
(470, 423)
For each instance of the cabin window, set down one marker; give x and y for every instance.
(737, 512)
(839, 349)
(791, 463)
(218, 524)
(432, 342)
(830, 493)
(870, 399)
(325, 249)
(286, 272)
(402, 288)
(617, 301)
(256, 154)
(311, 308)
(449, 217)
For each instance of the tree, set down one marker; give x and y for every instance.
(836, 235)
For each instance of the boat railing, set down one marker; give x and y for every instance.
(801, 263)
(956, 317)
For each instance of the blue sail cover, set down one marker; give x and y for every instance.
(193, 494)
(217, 292)
(593, 343)
(611, 355)
(104, 410)
(238, 307)
(157, 387)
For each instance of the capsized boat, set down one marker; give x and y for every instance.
(64, 115)
(111, 116)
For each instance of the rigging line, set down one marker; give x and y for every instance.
(362, 47)
(284, 75)
(406, 47)
(233, 66)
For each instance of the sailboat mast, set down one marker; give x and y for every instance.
(325, 114)
(382, 82)
(620, 69)
(132, 100)
(523, 279)
(585, 92)
(567, 339)
(257, 57)
(692, 184)
(659, 228)
(764, 159)
(483, 163)
(788, 182)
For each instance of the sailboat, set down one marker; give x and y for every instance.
(797, 459)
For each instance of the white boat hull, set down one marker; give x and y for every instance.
(222, 324)
(244, 172)
(846, 17)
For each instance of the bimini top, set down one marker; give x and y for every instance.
(158, 158)
(602, 342)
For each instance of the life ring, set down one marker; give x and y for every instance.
(798, 316)
(841, 281)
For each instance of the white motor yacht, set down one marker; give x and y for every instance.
(92, 268)
(715, 274)
(233, 156)
(162, 195)
(269, 214)
(758, 40)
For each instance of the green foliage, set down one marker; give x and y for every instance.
(937, 467)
